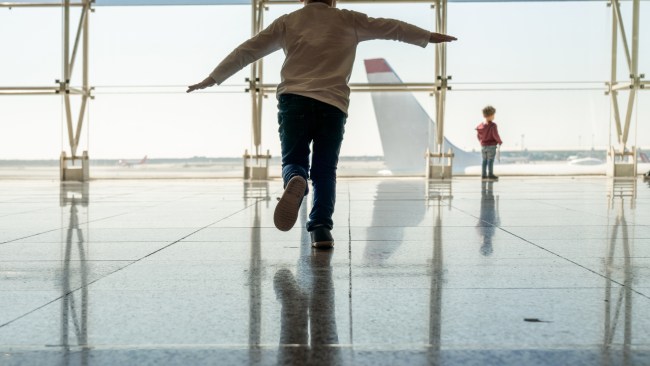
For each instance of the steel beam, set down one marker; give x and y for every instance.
(619, 158)
(616, 11)
(293, 2)
(634, 67)
(37, 5)
(365, 87)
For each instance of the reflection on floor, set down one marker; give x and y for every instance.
(535, 271)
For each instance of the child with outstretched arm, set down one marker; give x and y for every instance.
(319, 42)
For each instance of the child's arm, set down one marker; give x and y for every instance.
(495, 134)
(381, 28)
(264, 43)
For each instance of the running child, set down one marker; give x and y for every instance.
(319, 42)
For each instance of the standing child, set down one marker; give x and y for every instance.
(319, 42)
(488, 134)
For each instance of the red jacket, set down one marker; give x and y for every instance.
(488, 134)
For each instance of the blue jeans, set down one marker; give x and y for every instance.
(488, 153)
(303, 122)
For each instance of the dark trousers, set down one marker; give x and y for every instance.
(304, 123)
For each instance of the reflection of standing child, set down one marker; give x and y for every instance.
(489, 217)
(488, 134)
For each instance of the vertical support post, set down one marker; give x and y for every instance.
(634, 69)
(437, 169)
(622, 160)
(74, 172)
(440, 75)
(253, 80)
(259, 169)
(66, 74)
(614, 53)
(259, 91)
(84, 76)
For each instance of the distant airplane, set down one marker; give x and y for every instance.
(644, 157)
(585, 161)
(130, 164)
(406, 131)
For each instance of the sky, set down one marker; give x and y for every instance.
(143, 57)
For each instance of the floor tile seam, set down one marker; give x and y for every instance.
(460, 289)
(559, 256)
(255, 201)
(350, 317)
(361, 346)
(26, 212)
(48, 207)
(61, 296)
(62, 227)
(61, 260)
(91, 221)
(578, 264)
(424, 288)
(117, 270)
(589, 213)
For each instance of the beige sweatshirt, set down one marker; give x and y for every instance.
(320, 44)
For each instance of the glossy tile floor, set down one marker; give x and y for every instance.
(526, 271)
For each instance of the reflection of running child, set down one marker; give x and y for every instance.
(488, 135)
(319, 44)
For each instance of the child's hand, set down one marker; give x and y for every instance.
(440, 38)
(208, 82)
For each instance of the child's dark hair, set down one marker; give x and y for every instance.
(489, 111)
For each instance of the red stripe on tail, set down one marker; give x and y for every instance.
(377, 65)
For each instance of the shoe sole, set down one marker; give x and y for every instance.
(286, 212)
(323, 245)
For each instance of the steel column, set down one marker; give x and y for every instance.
(74, 130)
(256, 164)
(438, 168)
(622, 158)
(440, 75)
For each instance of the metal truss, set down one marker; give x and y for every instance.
(256, 163)
(622, 158)
(74, 124)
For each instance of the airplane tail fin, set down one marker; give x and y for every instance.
(405, 128)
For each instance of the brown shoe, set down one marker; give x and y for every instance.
(286, 212)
